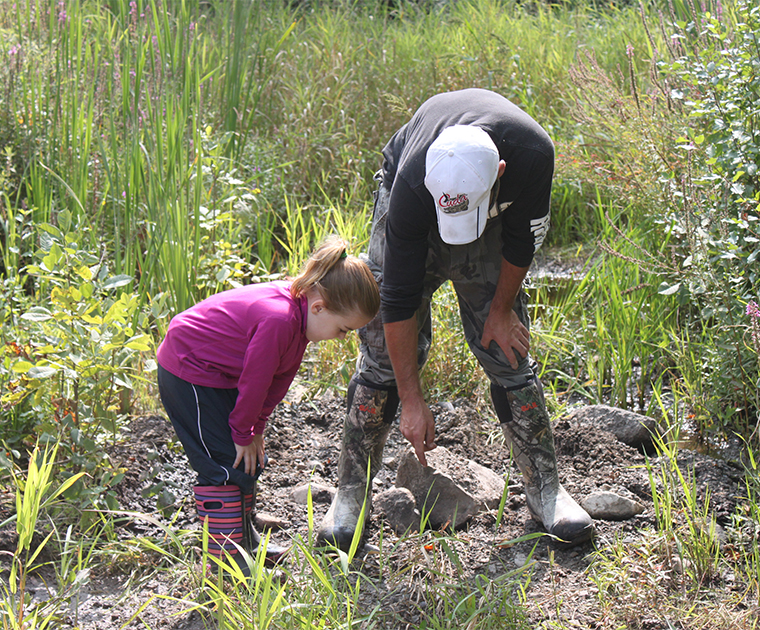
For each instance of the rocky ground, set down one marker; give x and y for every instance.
(303, 441)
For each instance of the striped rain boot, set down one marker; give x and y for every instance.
(220, 508)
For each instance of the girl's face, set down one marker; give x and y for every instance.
(323, 324)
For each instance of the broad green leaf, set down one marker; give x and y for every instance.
(37, 314)
(50, 229)
(64, 219)
(41, 372)
(93, 319)
(123, 381)
(140, 343)
(668, 290)
(117, 281)
(54, 255)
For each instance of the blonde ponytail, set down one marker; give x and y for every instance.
(345, 282)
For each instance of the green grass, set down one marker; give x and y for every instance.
(152, 157)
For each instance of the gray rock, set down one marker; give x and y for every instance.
(399, 509)
(628, 427)
(320, 493)
(450, 490)
(315, 466)
(609, 506)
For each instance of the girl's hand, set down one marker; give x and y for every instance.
(251, 454)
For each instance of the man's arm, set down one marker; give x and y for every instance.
(502, 324)
(416, 422)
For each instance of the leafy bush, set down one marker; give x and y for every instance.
(72, 357)
(679, 155)
(714, 209)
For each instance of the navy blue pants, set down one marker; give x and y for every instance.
(200, 416)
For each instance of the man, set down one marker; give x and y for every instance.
(464, 196)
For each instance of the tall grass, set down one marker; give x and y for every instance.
(199, 146)
(33, 499)
(173, 150)
(131, 115)
(337, 98)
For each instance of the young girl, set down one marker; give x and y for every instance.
(225, 364)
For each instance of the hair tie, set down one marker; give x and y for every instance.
(344, 254)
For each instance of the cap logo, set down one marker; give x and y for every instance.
(453, 205)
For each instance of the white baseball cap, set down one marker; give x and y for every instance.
(461, 168)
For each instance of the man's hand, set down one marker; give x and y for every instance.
(416, 423)
(417, 426)
(250, 454)
(509, 333)
(502, 324)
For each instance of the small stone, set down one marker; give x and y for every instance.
(520, 559)
(315, 466)
(609, 506)
(399, 509)
(320, 493)
(265, 522)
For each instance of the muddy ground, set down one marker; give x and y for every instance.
(303, 441)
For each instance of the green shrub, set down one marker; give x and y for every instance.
(675, 159)
(714, 199)
(73, 356)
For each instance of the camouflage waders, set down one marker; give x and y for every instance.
(527, 428)
(370, 413)
(473, 270)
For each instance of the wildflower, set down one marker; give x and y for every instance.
(629, 51)
(62, 15)
(753, 310)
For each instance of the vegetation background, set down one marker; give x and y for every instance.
(153, 153)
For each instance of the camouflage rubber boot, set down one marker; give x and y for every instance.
(527, 428)
(274, 553)
(370, 412)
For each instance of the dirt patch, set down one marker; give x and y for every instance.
(303, 443)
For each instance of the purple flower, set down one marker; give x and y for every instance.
(753, 310)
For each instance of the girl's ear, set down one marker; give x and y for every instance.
(317, 305)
